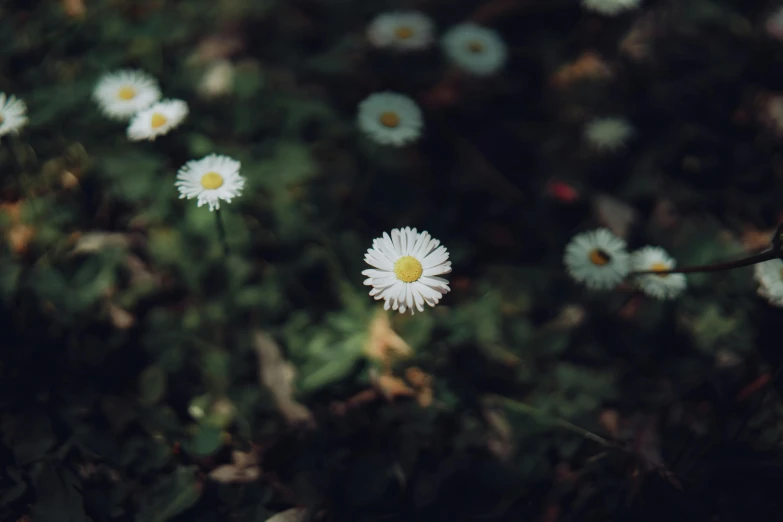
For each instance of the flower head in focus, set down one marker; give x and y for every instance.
(210, 179)
(13, 114)
(401, 30)
(659, 286)
(598, 259)
(406, 266)
(123, 93)
(157, 120)
(608, 134)
(610, 7)
(769, 276)
(390, 118)
(475, 49)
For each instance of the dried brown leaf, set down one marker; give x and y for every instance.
(277, 374)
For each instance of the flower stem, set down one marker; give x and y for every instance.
(766, 255)
(222, 232)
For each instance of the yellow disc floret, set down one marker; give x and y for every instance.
(599, 258)
(126, 93)
(158, 120)
(475, 47)
(403, 33)
(211, 181)
(389, 119)
(408, 269)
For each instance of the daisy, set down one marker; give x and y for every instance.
(401, 30)
(123, 93)
(407, 264)
(390, 118)
(660, 286)
(157, 120)
(774, 24)
(598, 259)
(210, 179)
(475, 49)
(13, 114)
(769, 276)
(608, 134)
(610, 7)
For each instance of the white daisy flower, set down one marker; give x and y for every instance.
(210, 179)
(475, 49)
(769, 276)
(390, 118)
(401, 30)
(407, 264)
(610, 7)
(13, 114)
(157, 120)
(774, 24)
(659, 286)
(598, 259)
(608, 134)
(123, 93)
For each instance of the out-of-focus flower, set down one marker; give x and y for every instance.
(157, 120)
(406, 265)
(769, 276)
(659, 286)
(598, 259)
(123, 93)
(774, 24)
(475, 49)
(589, 66)
(401, 30)
(13, 114)
(608, 134)
(390, 118)
(218, 80)
(210, 179)
(771, 112)
(610, 7)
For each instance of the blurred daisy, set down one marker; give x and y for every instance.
(157, 120)
(406, 265)
(13, 114)
(210, 179)
(608, 134)
(774, 24)
(769, 276)
(475, 49)
(401, 30)
(390, 118)
(122, 94)
(610, 7)
(659, 286)
(598, 259)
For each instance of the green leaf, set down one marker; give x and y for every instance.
(152, 384)
(207, 441)
(29, 436)
(170, 496)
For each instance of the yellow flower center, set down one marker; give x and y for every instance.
(126, 93)
(389, 119)
(158, 120)
(475, 47)
(599, 258)
(403, 33)
(211, 181)
(1, 118)
(659, 267)
(408, 269)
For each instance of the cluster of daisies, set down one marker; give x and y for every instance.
(135, 96)
(601, 261)
(393, 119)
